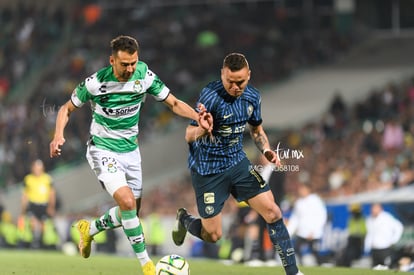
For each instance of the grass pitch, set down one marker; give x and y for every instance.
(18, 262)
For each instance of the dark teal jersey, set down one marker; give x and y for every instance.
(211, 155)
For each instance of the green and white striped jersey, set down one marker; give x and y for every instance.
(116, 105)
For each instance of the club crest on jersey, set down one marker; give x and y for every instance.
(137, 86)
(209, 209)
(250, 110)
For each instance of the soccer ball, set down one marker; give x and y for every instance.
(69, 248)
(172, 265)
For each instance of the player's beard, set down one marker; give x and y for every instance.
(126, 76)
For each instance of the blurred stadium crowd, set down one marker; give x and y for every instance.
(62, 44)
(47, 49)
(364, 147)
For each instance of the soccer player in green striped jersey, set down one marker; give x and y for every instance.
(116, 94)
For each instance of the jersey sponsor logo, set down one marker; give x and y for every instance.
(121, 111)
(225, 130)
(103, 88)
(239, 129)
(107, 111)
(209, 198)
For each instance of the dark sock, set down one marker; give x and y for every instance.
(193, 225)
(283, 244)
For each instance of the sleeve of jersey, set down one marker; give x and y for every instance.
(157, 88)
(80, 95)
(256, 117)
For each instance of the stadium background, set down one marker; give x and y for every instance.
(302, 54)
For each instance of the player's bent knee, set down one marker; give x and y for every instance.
(272, 215)
(127, 204)
(125, 199)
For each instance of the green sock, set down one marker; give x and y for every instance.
(133, 230)
(109, 220)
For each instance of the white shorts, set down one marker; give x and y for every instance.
(115, 170)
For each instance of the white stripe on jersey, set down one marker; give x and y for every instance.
(149, 79)
(75, 99)
(163, 94)
(97, 88)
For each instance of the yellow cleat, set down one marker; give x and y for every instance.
(148, 268)
(85, 240)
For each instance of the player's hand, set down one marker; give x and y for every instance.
(272, 157)
(205, 119)
(55, 145)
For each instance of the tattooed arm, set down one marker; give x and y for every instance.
(262, 143)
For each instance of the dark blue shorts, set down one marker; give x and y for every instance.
(241, 181)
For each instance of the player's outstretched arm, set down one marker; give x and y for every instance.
(204, 119)
(262, 143)
(180, 107)
(62, 120)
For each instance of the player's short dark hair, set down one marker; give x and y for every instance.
(235, 62)
(124, 43)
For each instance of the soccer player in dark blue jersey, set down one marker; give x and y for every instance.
(219, 166)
